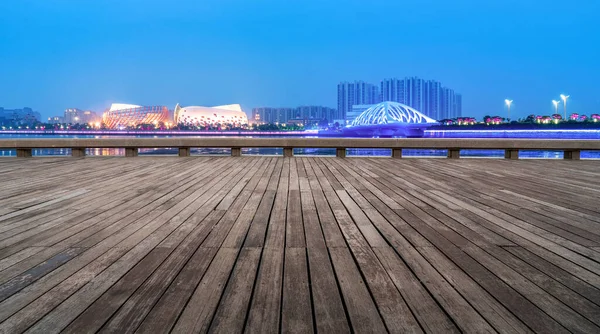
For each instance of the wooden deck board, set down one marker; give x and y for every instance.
(264, 244)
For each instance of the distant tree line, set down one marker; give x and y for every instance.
(531, 121)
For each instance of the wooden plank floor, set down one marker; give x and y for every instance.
(268, 244)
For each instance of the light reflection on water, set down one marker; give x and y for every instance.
(331, 152)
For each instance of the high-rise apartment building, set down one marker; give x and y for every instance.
(458, 105)
(427, 96)
(354, 93)
(448, 105)
(433, 97)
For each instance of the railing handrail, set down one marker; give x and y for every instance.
(387, 143)
(572, 147)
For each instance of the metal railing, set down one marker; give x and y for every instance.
(572, 148)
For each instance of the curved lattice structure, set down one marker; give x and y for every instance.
(132, 115)
(391, 112)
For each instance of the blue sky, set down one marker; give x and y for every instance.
(87, 54)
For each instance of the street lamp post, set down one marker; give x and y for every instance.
(564, 98)
(555, 102)
(508, 103)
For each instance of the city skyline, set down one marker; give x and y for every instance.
(289, 112)
(272, 53)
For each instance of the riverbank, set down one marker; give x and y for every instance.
(501, 130)
(522, 126)
(159, 133)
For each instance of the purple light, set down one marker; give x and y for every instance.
(511, 131)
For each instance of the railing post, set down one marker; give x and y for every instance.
(131, 152)
(236, 152)
(340, 152)
(396, 153)
(78, 152)
(24, 153)
(572, 155)
(184, 151)
(453, 153)
(288, 152)
(511, 154)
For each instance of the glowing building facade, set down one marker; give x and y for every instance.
(123, 115)
(230, 114)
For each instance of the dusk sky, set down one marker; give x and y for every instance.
(87, 54)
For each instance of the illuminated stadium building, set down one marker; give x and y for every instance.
(389, 119)
(122, 115)
(201, 116)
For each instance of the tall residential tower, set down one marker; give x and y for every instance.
(427, 96)
(354, 93)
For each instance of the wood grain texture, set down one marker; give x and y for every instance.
(300, 244)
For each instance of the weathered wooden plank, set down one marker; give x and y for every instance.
(296, 310)
(258, 227)
(198, 313)
(331, 231)
(231, 312)
(426, 310)
(561, 275)
(96, 315)
(328, 308)
(19, 282)
(276, 229)
(265, 307)
(237, 234)
(20, 256)
(167, 309)
(363, 314)
(310, 218)
(294, 225)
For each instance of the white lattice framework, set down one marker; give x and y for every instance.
(391, 112)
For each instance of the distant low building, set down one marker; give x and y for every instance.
(297, 122)
(72, 115)
(78, 116)
(266, 115)
(357, 109)
(56, 120)
(89, 116)
(305, 114)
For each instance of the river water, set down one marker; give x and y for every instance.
(532, 134)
